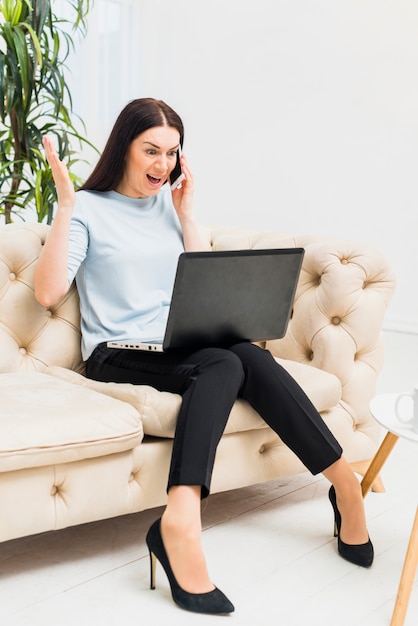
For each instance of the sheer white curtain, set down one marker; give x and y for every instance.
(104, 72)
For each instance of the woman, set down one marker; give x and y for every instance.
(120, 237)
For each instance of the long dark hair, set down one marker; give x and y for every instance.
(137, 117)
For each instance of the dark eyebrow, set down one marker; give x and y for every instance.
(154, 145)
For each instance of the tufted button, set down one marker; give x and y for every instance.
(344, 261)
(262, 449)
(12, 276)
(54, 490)
(336, 320)
(22, 350)
(49, 313)
(131, 478)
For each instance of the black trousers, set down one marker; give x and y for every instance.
(209, 381)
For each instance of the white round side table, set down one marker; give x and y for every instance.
(383, 410)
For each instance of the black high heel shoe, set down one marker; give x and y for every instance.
(359, 554)
(211, 602)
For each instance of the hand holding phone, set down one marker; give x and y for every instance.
(177, 176)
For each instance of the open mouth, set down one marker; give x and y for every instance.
(154, 180)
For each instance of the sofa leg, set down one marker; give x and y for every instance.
(361, 467)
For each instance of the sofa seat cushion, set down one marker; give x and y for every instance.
(159, 409)
(46, 421)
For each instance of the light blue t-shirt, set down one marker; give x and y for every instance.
(123, 254)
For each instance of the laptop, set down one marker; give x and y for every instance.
(225, 297)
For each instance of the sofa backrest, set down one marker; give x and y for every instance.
(340, 304)
(31, 335)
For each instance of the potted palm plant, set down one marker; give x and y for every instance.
(35, 100)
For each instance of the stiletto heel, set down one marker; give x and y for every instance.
(214, 602)
(359, 554)
(153, 566)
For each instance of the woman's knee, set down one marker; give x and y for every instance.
(258, 364)
(249, 353)
(226, 362)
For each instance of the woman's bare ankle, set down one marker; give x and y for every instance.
(182, 542)
(353, 519)
(181, 531)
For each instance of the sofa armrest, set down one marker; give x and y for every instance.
(342, 296)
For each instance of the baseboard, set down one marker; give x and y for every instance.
(401, 326)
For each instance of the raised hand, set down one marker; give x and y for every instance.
(63, 184)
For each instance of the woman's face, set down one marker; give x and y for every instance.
(150, 159)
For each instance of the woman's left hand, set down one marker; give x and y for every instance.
(183, 196)
(183, 204)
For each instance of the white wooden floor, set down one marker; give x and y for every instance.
(270, 549)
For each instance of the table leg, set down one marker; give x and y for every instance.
(379, 459)
(407, 578)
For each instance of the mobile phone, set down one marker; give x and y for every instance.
(176, 176)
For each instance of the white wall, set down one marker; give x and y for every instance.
(301, 115)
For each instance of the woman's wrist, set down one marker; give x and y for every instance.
(64, 210)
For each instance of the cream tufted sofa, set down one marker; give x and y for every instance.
(74, 450)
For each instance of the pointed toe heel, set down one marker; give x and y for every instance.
(212, 602)
(359, 554)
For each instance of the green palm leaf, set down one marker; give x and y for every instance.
(35, 100)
